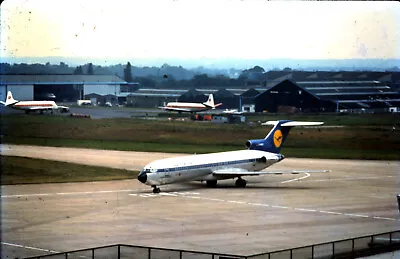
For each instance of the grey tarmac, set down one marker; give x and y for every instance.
(273, 212)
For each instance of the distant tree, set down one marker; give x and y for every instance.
(145, 81)
(168, 81)
(90, 69)
(78, 70)
(128, 72)
(257, 69)
(201, 80)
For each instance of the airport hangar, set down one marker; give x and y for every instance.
(328, 96)
(66, 88)
(279, 91)
(319, 91)
(110, 88)
(285, 96)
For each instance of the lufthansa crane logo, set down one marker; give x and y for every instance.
(278, 138)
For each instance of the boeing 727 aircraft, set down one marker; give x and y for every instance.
(261, 153)
(191, 107)
(29, 106)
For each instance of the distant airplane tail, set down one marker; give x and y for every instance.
(9, 99)
(210, 102)
(277, 136)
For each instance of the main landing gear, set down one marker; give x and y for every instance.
(240, 182)
(156, 189)
(211, 183)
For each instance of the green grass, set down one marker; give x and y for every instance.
(120, 145)
(362, 137)
(21, 170)
(383, 119)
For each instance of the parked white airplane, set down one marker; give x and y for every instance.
(191, 107)
(232, 111)
(261, 153)
(29, 106)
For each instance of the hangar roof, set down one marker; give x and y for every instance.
(157, 92)
(350, 94)
(296, 76)
(60, 79)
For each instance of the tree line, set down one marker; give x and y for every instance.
(165, 76)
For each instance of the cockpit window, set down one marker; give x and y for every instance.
(145, 170)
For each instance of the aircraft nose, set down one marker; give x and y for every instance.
(142, 177)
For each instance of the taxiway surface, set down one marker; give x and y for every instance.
(272, 212)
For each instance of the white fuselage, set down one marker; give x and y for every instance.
(201, 167)
(34, 105)
(189, 107)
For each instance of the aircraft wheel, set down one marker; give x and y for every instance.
(240, 183)
(211, 183)
(156, 190)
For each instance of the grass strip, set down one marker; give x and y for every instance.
(22, 170)
(121, 145)
(309, 152)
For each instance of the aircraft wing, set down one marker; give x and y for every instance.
(175, 109)
(243, 172)
(39, 108)
(63, 108)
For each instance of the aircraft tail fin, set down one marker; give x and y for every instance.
(9, 99)
(277, 136)
(210, 101)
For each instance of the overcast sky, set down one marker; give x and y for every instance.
(193, 29)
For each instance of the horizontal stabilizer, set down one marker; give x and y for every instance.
(294, 123)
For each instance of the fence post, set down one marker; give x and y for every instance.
(333, 249)
(312, 252)
(92, 253)
(119, 251)
(149, 253)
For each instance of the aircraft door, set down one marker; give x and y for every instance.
(167, 173)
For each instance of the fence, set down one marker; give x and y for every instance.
(138, 252)
(348, 248)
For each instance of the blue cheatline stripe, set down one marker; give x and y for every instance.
(205, 166)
